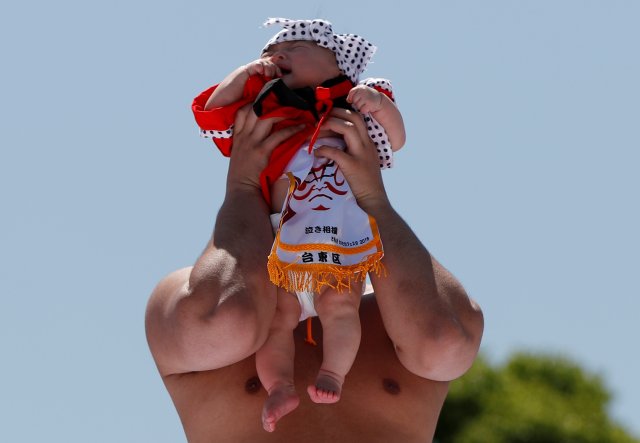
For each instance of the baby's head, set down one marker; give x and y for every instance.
(309, 53)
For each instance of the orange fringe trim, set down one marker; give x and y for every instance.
(375, 243)
(296, 277)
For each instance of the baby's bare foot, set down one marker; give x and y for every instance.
(282, 400)
(327, 388)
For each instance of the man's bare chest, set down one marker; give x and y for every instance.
(379, 397)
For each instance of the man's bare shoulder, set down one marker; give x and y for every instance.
(182, 322)
(159, 316)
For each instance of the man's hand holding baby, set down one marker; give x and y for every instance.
(252, 146)
(359, 163)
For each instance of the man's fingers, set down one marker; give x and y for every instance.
(356, 137)
(353, 117)
(263, 127)
(339, 125)
(249, 122)
(341, 158)
(241, 118)
(338, 156)
(280, 136)
(346, 129)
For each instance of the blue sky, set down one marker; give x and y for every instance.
(520, 174)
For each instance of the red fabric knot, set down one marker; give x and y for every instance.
(323, 94)
(324, 105)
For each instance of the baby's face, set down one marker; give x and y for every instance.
(303, 63)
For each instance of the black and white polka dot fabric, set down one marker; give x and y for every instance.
(217, 134)
(353, 52)
(375, 129)
(379, 83)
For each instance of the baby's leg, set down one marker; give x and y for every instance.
(274, 362)
(338, 313)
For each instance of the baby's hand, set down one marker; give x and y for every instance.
(365, 99)
(264, 67)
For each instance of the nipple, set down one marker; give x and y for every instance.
(253, 385)
(391, 386)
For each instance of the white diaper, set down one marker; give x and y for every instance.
(305, 298)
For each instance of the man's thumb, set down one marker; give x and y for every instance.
(337, 155)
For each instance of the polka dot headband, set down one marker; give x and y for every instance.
(352, 51)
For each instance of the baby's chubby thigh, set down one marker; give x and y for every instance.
(288, 311)
(331, 303)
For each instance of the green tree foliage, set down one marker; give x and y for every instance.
(530, 399)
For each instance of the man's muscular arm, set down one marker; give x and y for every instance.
(435, 327)
(219, 311)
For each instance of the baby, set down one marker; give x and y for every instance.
(304, 71)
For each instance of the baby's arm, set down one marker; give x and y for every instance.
(230, 90)
(369, 101)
